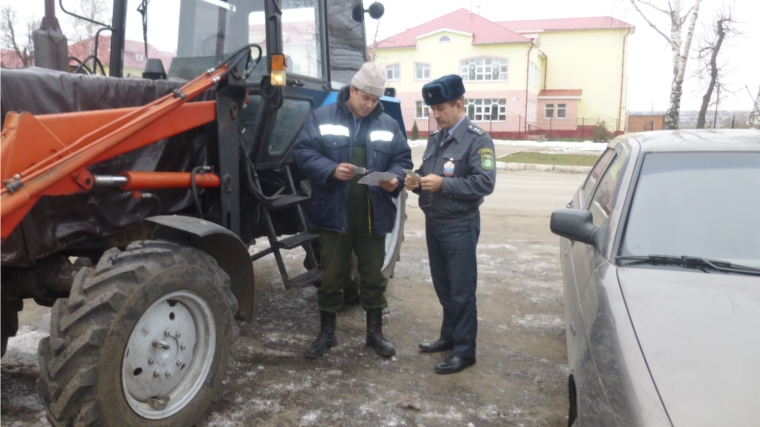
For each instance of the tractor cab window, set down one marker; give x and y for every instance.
(301, 40)
(162, 24)
(189, 36)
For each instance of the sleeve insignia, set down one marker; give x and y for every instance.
(487, 162)
(485, 151)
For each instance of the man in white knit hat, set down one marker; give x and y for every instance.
(339, 139)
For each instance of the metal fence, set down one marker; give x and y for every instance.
(723, 121)
(514, 126)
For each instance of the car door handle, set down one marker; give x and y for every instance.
(569, 204)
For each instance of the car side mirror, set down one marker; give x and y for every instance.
(576, 225)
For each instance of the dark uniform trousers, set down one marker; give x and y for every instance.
(453, 266)
(336, 249)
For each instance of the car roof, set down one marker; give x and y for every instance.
(695, 140)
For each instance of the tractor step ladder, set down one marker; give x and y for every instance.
(304, 238)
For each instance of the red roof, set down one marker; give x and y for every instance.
(563, 24)
(561, 93)
(132, 49)
(9, 59)
(483, 31)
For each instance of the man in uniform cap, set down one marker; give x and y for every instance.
(457, 172)
(337, 140)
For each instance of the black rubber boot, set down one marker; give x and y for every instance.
(375, 338)
(326, 338)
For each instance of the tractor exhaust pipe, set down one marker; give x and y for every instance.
(51, 49)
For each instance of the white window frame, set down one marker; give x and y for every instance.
(421, 110)
(444, 39)
(482, 69)
(481, 110)
(561, 111)
(549, 111)
(393, 72)
(139, 57)
(417, 69)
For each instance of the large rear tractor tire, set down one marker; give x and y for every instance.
(143, 339)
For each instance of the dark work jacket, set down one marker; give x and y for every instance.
(470, 151)
(327, 139)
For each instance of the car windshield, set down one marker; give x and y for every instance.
(698, 205)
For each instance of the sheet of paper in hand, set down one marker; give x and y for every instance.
(411, 174)
(375, 177)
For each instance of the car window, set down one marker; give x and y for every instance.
(593, 177)
(696, 204)
(603, 200)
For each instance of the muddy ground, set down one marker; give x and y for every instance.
(519, 379)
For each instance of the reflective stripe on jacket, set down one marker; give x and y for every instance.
(326, 141)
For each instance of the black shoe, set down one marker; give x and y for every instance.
(436, 346)
(375, 338)
(326, 338)
(454, 364)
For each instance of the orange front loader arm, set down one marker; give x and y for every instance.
(48, 155)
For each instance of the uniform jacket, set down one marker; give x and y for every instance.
(327, 139)
(466, 161)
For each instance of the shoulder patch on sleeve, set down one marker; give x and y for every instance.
(487, 161)
(483, 151)
(475, 130)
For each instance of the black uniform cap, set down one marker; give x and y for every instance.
(443, 89)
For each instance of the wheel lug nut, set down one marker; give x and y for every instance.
(168, 333)
(168, 374)
(177, 334)
(179, 362)
(151, 361)
(182, 346)
(156, 374)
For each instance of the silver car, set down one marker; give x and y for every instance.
(660, 255)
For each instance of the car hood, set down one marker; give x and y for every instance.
(700, 335)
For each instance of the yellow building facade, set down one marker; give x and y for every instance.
(555, 77)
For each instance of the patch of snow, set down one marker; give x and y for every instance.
(451, 415)
(497, 246)
(22, 349)
(310, 418)
(574, 146)
(539, 321)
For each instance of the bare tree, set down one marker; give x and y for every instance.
(754, 118)
(9, 36)
(84, 31)
(710, 69)
(373, 55)
(680, 46)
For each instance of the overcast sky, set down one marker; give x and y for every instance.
(649, 64)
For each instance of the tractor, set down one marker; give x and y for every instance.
(136, 180)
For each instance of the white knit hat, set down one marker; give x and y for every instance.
(370, 79)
